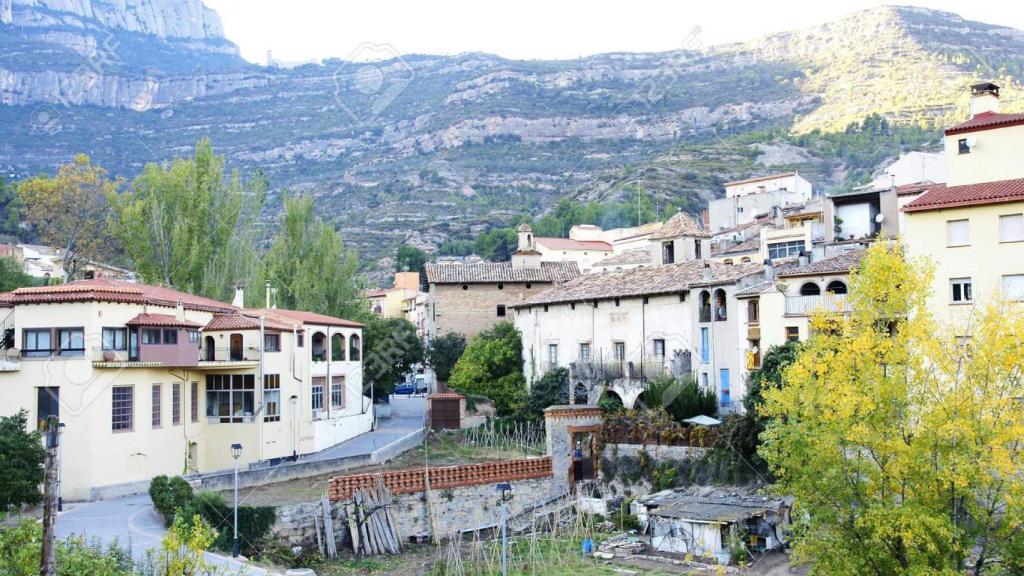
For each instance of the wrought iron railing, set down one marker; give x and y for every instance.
(804, 305)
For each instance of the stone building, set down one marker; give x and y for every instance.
(470, 298)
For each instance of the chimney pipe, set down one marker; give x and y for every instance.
(239, 299)
(803, 259)
(769, 269)
(984, 98)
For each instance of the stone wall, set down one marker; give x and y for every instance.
(658, 452)
(560, 423)
(475, 309)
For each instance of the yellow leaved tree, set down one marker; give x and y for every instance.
(900, 436)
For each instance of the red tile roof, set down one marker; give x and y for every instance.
(289, 316)
(940, 196)
(986, 121)
(162, 320)
(570, 244)
(915, 188)
(222, 322)
(495, 272)
(109, 290)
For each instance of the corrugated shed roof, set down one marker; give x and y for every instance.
(682, 224)
(940, 196)
(645, 281)
(986, 121)
(494, 272)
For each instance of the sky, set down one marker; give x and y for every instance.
(303, 30)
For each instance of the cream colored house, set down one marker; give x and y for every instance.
(972, 227)
(147, 380)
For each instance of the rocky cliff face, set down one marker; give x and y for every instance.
(160, 18)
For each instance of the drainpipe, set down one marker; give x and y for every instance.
(259, 383)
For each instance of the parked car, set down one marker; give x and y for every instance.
(417, 385)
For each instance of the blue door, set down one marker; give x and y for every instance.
(723, 377)
(705, 349)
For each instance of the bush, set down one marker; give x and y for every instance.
(21, 545)
(443, 352)
(22, 454)
(550, 389)
(492, 366)
(254, 522)
(681, 398)
(169, 496)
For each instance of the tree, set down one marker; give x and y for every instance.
(492, 366)
(10, 209)
(12, 275)
(21, 458)
(71, 212)
(191, 226)
(899, 440)
(310, 266)
(549, 390)
(392, 348)
(682, 399)
(443, 352)
(412, 259)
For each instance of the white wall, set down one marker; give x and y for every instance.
(856, 219)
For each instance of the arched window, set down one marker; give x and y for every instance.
(209, 349)
(705, 306)
(337, 348)
(721, 311)
(810, 289)
(727, 261)
(354, 352)
(836, 287)
(319, 347)
(745, 259)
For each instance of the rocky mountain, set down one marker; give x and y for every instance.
(422, 148)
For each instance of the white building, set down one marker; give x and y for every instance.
(746, 199)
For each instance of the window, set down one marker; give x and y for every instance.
(47, 404)
(836, 287)
(704, 380)
(230, 397)
(501, 310)
(705, 306)
(696, 249)
(721, 310)
(354, 350)
(501, 286)
(585, 352)
(194, 401)
(338, 391)
(962, 147)
(792, 333)
(171, 336)
(659, 348)
(271, 342)
(810, 289)
(1013, 286)
(300, 340)
(1011, 228)
(115, 338)
(753, 311)
(785, 249)
(317, 402)
(668, 252)
(960, 290)
(271, 397)
(37, 342)
(156, 406)
(319, 347)
(193, 336)
(705, 345)
(150, 335)
(619, 351)
(957, 233)
(338, 348)
(176, 404)
(121, 408)
(553, 354)
(72, 341)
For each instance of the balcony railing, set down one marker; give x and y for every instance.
(647, 369)
(244, 354)
(805, 305)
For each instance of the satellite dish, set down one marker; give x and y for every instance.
(879, 217)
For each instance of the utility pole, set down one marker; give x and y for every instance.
(47, 561)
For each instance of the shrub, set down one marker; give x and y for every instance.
(169, 496)
(550, 389)
(254, 522)
(21, 545)
(22, 454)
(492, 366)
(681, 398)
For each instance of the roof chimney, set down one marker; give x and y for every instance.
(239, 300)
(707, 275)
(769, 269)
(984, 98)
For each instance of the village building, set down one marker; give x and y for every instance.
(470, 298)
(972, 227)
(746, 199)
(148, 380)
(403, 300)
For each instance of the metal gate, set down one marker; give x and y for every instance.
(445, 411)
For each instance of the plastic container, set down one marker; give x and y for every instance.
(588, 546)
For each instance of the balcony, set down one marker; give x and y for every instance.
(806, 305)
(233, 356)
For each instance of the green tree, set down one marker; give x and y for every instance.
(21, 459)
(412, 259)
(70, 212)
(12, 275)
(549, 390)
(391, 348)
(681, 398)
(10, 209)
(492, 366)
(443, 352)
(901, 442)
(190, 225)
(310, 266)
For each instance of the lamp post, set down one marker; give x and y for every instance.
(295, 427)
(236, 451)
(504, 491)
(60, 464)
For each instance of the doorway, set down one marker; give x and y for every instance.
(236, 347)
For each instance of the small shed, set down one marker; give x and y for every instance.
(701, 520)
(446, 410)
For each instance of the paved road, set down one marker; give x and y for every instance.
(133, 520)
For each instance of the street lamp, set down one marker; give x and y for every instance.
(504, 491)
(295, 427)
(236, 451)
(60, 462)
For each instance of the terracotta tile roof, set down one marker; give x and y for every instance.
(745, 247)
(494, 272)
(986, 121)
(682, 224)
(646, 281)
(570, 244)
(108, 290)
(162, 320)
(941, 196)
(915, 188)
(833, 264)
(222, 322)
(289, 317)
(634, 256)
(756, 289)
